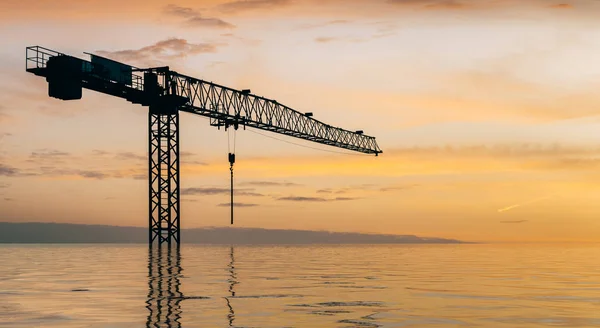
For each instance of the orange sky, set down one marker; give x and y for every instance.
(479, 106)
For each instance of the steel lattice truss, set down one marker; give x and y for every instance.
(224, 104)
(164, 176)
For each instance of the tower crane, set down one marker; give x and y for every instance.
(166, 93)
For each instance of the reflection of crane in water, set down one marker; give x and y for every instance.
(164, 296)
(232, 282)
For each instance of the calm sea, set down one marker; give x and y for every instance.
(300, 286)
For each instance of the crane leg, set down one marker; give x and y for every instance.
(163, 167)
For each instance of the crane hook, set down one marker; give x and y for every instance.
(231, 162)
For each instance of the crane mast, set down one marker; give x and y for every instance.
(166, 93)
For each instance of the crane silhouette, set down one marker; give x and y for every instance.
(166, 93)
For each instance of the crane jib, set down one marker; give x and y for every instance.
(200, 97)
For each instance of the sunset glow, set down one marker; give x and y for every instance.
(486, 112)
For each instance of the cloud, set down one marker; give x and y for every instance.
(509, 156)
(302, 199)
(195, 19)
(508, 208)
(9, 171)
(238, 205)
(247, 5)
(48, 154)
(344, 198)
(245, 41)
(378, 35)
(219, 191)
(502, 150)
(433, 4)
(514, 221)
(314, 199)
(204, 191)
(92, 174)
(4, 185)
(323, 39)
(392, 188)
(344, 190)
(50, 171)
(470, 4)
(562, 6)
(169, 49)
(8, 199)
(324, 191)
(195, 163)
(130, 155)
(328, 23)
(57, 172)
(100, 152)
(269, 184)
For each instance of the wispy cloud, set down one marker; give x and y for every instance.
(522, 204)
(436, 4)
(196, 163)
(130, 155)
(238, 205)
(331, 39)
(514, 221)
(394, 188)
(50, 171)
(193, 18)
(220, 191)
(4, 134)
(314, 199)
(324, 24)
(9, 171)
(49, 154)
(326, 39)
(247, 5)
(302, 199)
(269, 184)
(99, 152)
(170, 49)
(503, 150)
(562, 6)
(343, 198)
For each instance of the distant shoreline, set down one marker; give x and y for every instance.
(67, 233)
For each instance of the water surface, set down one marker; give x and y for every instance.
(300, 286)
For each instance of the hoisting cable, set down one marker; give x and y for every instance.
(231, 157)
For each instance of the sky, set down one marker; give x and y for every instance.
(487, 113)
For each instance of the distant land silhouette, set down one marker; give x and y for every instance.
(34, 232)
